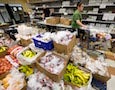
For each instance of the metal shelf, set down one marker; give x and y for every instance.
(73, 6)
(103, 22)
(57, 25)
(42, 2)
(98, 14)
(94, 14)
(58, 13)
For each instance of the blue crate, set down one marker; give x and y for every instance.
(44, 45)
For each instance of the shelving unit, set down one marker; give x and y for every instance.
(41, 2)
(99, 14)
(102, 22)
(73, 6)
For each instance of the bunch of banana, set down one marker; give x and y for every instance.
(3, 48)
(26, 69)
(28, 53)
(76, 76)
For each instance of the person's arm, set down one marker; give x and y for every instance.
(80, 24)
(43, 15)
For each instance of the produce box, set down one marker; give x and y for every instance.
(12, 60)
(66, 49)
(65, 21)
(54, 76)
(110, 55)
(3, 75)
(100, 73)
(44, 43)
(93, 54)
(3, 51)
(14, 50)
(82, 80)
(24, 88)
(24, 42)
(104, 78)
(28, 56)
(53, 20)
(5, 67)
(14, 80)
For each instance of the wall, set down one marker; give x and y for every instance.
(22, 2)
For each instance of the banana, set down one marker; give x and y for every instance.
(86, 76)
(77, 77)
(71, 77)
(79, 80)
(22, 69)
(28, 73)
(30, 70)
(80, 76)
(26, 69)
(28, 53)
(4, 48)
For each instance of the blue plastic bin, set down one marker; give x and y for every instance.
(44, 45)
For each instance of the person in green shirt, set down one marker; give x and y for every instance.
(77, 20)
(77, 23)
(77, 17)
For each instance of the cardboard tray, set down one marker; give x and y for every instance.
(110, 56)
(102, 78)
(24, 42)
(2, 76)
(83, 87)
(53, 20)
(2, 54)
(65, 21)
(27, 61)
(66, 49)
(54, 77)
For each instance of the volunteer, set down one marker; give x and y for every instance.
(77, 18)
(46, 12)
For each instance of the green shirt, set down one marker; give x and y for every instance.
(76, 16)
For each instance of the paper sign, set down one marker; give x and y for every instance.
(14, 8)
(105, 16)
(102, 6)
(19, 8)
(108, 16)
(111, 16)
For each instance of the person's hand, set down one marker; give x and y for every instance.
(85, 27)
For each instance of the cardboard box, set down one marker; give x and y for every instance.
(66, 49)
(2, 76)
(28, 61)
(65, 21)
(2, 54)
(25, 87)
(87, 87)
(110, 55)
(102, 78)
(54, 77)
(94, 54)
(24, 42)
(53, 20)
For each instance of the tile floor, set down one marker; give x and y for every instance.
(111, 82)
